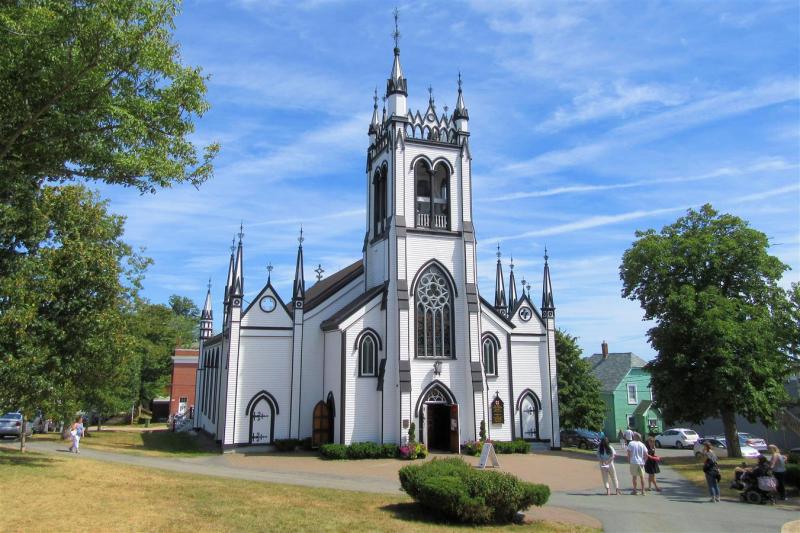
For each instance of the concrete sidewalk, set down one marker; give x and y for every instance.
(681, 507)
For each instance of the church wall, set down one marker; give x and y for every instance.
(500, 383)
(332, 375)
(362, 409)
(264, 364)
(256, 317)
(311, 382)
(529, 357)
(376, 270)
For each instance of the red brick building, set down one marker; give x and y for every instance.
(184, 372)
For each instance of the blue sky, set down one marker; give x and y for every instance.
(589, 121)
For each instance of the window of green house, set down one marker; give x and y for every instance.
(632, 398)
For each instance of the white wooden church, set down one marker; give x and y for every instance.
(400, 336)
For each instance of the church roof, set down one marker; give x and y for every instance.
(489, 308)
(327, 287)
(610, 371)
(357, 303)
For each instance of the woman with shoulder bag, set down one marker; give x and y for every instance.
(778, 465)
(711, 471)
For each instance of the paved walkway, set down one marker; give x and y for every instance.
(681, 507)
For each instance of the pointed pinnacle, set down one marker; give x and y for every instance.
(300, 239)
(209, 284)
(498, 251)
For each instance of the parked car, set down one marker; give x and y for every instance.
(756, 442)
(678, 438)
(11, 425)
(720, 447)
(580, 438)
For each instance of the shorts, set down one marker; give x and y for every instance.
(637, 470)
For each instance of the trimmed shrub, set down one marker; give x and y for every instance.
(389, 451)
(503, 447)
(412, 432)
(452, 489)
(333, 451)
(286, 445)
(422, 451)
(473, 447)
(364, 450)
(521, 446)
(482, 432)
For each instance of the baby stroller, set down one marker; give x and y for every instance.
(754, 488)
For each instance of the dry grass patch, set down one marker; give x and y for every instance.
(111, 497)
(153, 442)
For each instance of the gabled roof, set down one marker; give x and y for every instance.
(613, 369)
(489, 308)
(360, 301)
(643, 407)
(526, 299)
(323, 289)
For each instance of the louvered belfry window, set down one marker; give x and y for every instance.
(434, 314)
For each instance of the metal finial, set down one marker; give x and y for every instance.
(512, 261)
(459, 80)
(546, 257)
(319, 270)
(300, 239)
(523, 282)
(498, 251)
(445, 109)
(396, 32)
(209, 284)
(241, 230)
(528, 287)
(430, 93)
(269, 271)
(375, 98)
(233, 244)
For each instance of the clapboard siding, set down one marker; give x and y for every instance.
(263, 364)
(332, 375)
(255, 317)
(498, 384)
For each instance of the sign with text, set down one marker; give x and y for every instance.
(498, 411)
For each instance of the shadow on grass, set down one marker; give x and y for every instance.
(414, 512)
(169, 441)
(15, 458)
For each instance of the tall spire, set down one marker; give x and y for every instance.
(512, 289)
(396, 85)
(229, 280)
(461, 115)
(299, 291)
(547, 287)
(207, 316)
(238, 275)
(499, 289)
(375, 122)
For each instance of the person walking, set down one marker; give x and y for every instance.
(711, 471)
(627, 435)
(778, 465)
(651, 465)
(76, 432)
(637, 454)
(621, 439)
(606, 454)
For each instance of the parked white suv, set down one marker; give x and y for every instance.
(677, 437)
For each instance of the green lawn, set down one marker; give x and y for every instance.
(133, 439)
(47, 493)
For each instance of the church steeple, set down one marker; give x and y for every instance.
(547, 289)
(237, 291)
(461, 115)
(499, 287)
(207, 316)
(375, 123)
(512, 289)
(396, 85)
(299, 290)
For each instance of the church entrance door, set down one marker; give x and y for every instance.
(529, 419)
(322, 433)
(261, 423)
(438, 422)
(438, 427)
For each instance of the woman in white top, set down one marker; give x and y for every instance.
(606, 454)
(778, 465)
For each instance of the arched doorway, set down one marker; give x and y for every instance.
(529, 408)
(438, 418)
(262, 409)
(321, 428)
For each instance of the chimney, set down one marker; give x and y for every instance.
(605, 350)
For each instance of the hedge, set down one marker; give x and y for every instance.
(793, 475)
(515, 446)
(452, 489)
(358, 450)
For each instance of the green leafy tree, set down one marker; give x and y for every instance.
(92, 91)
(579, 401)
(61, 323)
(184, 307)
(722, 324)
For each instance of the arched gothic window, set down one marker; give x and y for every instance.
(379, 201)
(433, 195)
(490, 349)
(434, 314)
(368, 356)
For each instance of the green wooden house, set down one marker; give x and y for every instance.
(625, 389)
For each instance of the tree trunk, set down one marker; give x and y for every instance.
(99, 422)
(22, 435)
(731, 433)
